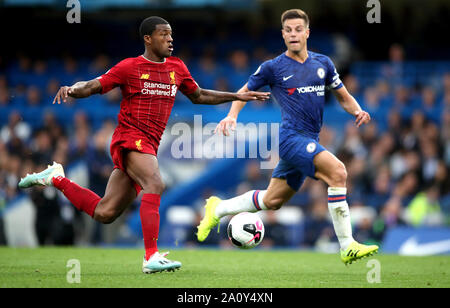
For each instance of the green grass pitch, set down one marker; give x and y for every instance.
(101, 267)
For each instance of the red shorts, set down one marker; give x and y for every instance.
(126, 139)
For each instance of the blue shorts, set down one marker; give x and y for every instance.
(296, 158)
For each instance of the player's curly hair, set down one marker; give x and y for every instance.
(295, 13)
(148, 25)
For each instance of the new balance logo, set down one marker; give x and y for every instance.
(286, 78)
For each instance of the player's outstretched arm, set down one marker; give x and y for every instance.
(231, 119)
(78, 90)
(349, 103)
(211, 97)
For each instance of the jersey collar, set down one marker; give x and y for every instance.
(153, 61)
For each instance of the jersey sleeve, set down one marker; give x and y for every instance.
(262, 77)
(332, 80)
(188, 84)
(114, 77)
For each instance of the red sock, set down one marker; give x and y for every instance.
(83, 199)
(150, 222)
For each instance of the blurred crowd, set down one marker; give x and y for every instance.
(398, 166)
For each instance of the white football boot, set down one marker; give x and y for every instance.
(159, 263)
(43, 178)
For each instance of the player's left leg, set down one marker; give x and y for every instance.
(143, 169)
(272, 198)
(333, 172)
(277, 193)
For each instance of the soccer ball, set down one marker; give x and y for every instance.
(245, 230)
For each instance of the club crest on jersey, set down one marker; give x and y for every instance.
(145, 76)
(311, 147)
(172, 77)
(321, 73)
(139, 144)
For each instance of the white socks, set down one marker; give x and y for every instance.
(251, 201)
(338, 208)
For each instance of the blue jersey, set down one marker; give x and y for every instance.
(299, 89)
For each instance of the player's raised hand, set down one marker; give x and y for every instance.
(225, 124)
(62, 94)
(253, 96)
(362, 117)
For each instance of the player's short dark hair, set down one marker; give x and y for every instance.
(293, 14)
(149, 24)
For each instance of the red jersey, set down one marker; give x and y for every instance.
(148, 92)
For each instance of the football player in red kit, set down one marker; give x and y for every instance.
(149, 84)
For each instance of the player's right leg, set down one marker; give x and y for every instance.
(119, 193)
(332, 171)
(278, 193)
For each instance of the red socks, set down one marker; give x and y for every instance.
(83, 199)
(150, 222)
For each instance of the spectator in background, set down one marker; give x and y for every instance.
(428, 99)
(254, 176)
(21, 73)
(99, 66)
(383, 89)
(11, 166)
(393, 72)
(34, 97)
(363, 217)
(352, 141)
(70, 70)
(40, 73)
(42, 147)
(381, 188)
(208, 71)
(402, 98)
(113, 97)
(99, 161)
(445, 83)
(406, 187)
(4, 96)
(79, 141)
(51, 125)
(389, 218)
(16, 128)
(328, 138)
(424, 209)
(430, 160)
(317, 224)
(274, 232)
(352, 84)
(240, 69)
(222, 84)
(369, 135)
(371, 100)
(52, 87)
(50, 228)
(79, 145)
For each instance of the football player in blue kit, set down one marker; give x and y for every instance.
(298, 79)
